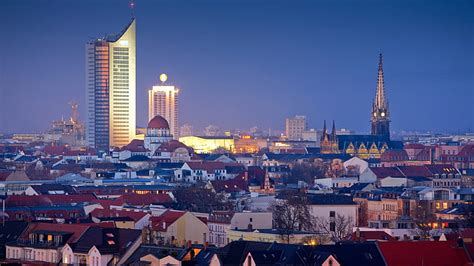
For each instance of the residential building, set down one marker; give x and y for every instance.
(179, 227)
(101, 246)
(43, 242)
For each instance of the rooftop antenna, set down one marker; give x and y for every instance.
(131, 5)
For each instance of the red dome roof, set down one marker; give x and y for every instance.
(158, 122)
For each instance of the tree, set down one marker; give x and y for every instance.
(304, 171)
(200, 199)
(423, 218)
(335, 229)
(291, 214)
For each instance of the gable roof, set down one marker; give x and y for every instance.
(106, 240)
(146, 199)
(433, 253)
(162, 222)
(236, 184)
(76, 230)
(372, 235)
(114, 213)
(382, 172)
(210, 166)
(355, 254)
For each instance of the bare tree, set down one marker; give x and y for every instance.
(291, 214)
(423, 218)
(336, 228)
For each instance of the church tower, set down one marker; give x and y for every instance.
(380, 114)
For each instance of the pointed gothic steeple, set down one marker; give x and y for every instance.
(333, 132)
(324, 133)
(380, 101)
(380, 116)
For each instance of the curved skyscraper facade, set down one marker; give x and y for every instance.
(111, 89)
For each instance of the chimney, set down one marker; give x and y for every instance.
(357, 233)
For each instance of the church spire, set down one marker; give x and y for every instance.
(324, 133)
(380, 101)
(380, 114)
(333, 132)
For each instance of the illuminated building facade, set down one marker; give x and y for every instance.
(111, 89)
(163, 101)
(365, 146)
(208, 144)
(246, 144)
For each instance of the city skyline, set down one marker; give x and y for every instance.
(345, 76)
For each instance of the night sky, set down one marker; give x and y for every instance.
(250, 63)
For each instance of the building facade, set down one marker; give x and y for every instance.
(294, 127)
(111, 89)
(365, 146)
(163, 101)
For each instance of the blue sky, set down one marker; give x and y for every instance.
(250, 63)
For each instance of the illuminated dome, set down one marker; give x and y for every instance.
(158, 122)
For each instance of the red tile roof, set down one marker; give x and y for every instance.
(106, 203)
(416, 146)
(147, 199)
(236, 184)
(161, 223)
(4, 175)
(172, 145)
(415, 171)
(47, 200)
(136, 145)
(382, 172)
(372, 235)
(468, 233)
(433, 253)
(208, 166)
(441, 169)
(136, 216)
(55, 150)
(77, 230)
(394, 155)
(467, 150)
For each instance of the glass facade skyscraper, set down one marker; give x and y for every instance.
(111, 89)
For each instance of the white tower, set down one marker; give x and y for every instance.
(163, 101)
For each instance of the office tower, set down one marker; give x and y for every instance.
(163, 101)
(380, 114)
(110, 89)
(295, 126)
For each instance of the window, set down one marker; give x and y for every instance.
(332, 214)
(251, 219)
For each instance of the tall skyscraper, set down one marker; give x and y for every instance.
(380, 114)
(295, 126)
(111, 89)
(163, 101)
